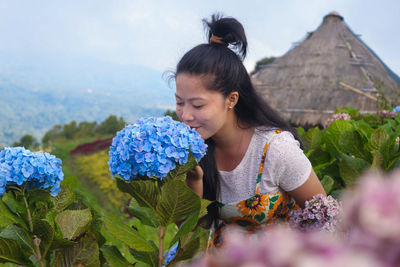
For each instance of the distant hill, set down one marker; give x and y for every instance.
(36, 96)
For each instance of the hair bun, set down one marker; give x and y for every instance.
(227, 32)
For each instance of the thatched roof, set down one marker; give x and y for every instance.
(330, 68)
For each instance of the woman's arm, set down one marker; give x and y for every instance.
(194, 180)
(306, 191)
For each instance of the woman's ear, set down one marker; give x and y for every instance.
(232, 99)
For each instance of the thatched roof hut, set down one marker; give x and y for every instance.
(331, 68)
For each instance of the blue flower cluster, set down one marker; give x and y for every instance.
(396, 109)
(152, 147)
(19, 165)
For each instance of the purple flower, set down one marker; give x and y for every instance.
(319, 213)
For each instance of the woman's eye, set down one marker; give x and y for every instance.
(179, 103)
(198, 107)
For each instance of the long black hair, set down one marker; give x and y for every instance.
(220, 61)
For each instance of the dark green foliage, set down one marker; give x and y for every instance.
(111, 125)
(27, 141)
(172, 114)
(262, 62)
(346, 149)
(74, 131)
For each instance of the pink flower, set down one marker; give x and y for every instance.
(372, 216)
(337, 116)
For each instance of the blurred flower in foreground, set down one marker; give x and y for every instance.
(369, 234)
(372, 216)
(284, 247)
(337, 116)
(396, 109)
(19, 166)
(319, 213)
(152, 147)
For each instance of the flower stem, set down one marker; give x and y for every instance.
(161, 234)
(36, 243)
(28, 213)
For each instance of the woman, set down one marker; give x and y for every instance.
(254, 166)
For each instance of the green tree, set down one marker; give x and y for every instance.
(111, 125)
(262, 62)
(69, 130)
(51, 135)
(27, 141)
(172, 114)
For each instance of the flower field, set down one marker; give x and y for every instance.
(129, 205)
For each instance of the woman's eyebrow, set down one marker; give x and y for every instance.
(190, 99)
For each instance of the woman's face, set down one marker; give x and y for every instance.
(200, 108)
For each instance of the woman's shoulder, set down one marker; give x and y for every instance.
(276, 136)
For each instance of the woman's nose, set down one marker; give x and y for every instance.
(187, 115)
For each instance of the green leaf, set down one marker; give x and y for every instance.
(187, 250)
(40, 203)
(15, 233)
(114, 257)
(313, 138)
(144, 214)
(364, 129)
(203, 207)
(332, 135)
(45, 232)
(73, 223)
(146, 192)
(126, 234)
(351, 167)
(85, 253)
(176, 203)
(186, 227)
(378, 137)
(7, 217)
(328, 183)
(14, 205)
(181, 170)
(65, 198)
(351, 142)
(11, 251)
(149, 258)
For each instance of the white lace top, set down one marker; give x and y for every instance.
(285, 167)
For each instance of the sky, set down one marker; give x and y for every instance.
(156, 34)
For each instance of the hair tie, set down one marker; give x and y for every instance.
(217, 40)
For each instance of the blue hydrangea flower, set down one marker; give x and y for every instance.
(40, 170)
(396, 109)
(169, 255)
(153, 147)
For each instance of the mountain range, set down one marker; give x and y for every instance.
(37, 94)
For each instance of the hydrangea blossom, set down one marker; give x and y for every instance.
(386, 114)
(396, 109)
(319, 213)
(283, 247)
(337, 116)
(371, 217)
(152, 147)
(39, 170)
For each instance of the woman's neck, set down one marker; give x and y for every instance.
(231, 145)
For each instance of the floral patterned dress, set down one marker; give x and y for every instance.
(254, 213)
